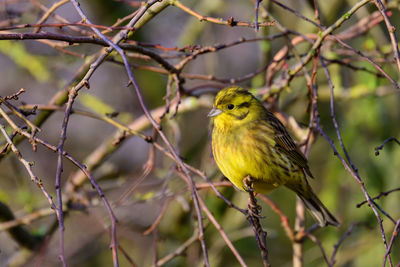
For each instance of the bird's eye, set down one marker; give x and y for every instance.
(230, 106)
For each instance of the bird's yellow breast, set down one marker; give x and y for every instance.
(238, 153)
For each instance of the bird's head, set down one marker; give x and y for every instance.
(235, 105)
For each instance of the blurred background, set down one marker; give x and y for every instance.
(367, 106)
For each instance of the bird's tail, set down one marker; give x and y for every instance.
(319, 212)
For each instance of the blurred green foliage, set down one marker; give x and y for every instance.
(36, 66)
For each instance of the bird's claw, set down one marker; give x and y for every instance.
(248, 184)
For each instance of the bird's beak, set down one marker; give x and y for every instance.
(214, 112)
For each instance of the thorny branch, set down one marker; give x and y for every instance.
(253, 216)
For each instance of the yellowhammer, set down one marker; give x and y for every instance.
(249, 141)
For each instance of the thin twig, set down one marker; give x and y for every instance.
(395, 234)
(339, 243)
(179, 250)
(222, 233)
(378, 148)
(230, 22)
(28, 166)
(391, 30)
(48, 13)
(358, 52)
(256, 15)
(26, 219)
(297, 14)
(381, 194)
(22, 236)
(316, 241)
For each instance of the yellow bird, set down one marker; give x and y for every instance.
(249, 141)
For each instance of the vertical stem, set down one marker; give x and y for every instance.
(299, 227)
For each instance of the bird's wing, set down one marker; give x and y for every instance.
(286, 144)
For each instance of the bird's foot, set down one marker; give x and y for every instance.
(253, 209)
(248, 184)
